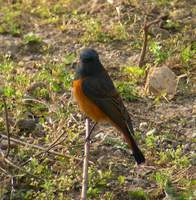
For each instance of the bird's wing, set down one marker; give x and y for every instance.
(102, 92)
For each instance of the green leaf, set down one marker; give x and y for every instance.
(70, 58)
(121, 180)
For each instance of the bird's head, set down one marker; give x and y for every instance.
(89, 63)
(88, 55)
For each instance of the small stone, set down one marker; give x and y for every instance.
(27, 125)
(39, 131)
(100, 135)
(4, 144)
(118, 153)
(143, 126)
(175, 145)
(151, 132)
(161, 80)
(186, 147)
(190, 133)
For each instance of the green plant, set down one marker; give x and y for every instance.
(170, 24)
(121, 180)
(108, 196)
(189, 193)
(41, 93)
(163, 2)
(10, 22)
(138, 195)
(32, 38)
(9, 91)
(69, 58)
(6, 66)
(150, 141)
(98, 181)
(127, 90)
(159, 54)
(94, 32)
(187, 54)
(179, 159)
(41, 10)
(135, 73)
(116, 143)
(170, 190)
(119, 31)
(175, 157)
(172, 193)
(161, 179)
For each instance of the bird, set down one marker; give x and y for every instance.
(97, 97)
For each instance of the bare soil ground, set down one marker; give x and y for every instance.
(39, 42)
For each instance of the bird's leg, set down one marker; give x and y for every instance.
(91, 130)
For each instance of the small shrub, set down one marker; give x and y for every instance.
(159, 54)
(127, 90)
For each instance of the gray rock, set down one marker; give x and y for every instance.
(161, 80)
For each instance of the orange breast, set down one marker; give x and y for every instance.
(86, 105)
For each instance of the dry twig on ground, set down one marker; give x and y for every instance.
(47, 149)
(38, 147)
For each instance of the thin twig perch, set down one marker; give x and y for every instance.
(85, 163)
(91, 130)
(145, 41)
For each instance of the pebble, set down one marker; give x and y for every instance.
(143, 126)
(151, 132)
(187, 147)
(4, 144)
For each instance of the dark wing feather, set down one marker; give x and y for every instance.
(102, 92)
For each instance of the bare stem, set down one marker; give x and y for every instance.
(85, 164)
(145, 42)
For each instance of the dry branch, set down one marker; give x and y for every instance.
(38, 147)
(145, 41)
(46, 151)
(10, 163)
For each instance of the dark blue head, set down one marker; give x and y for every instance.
(89, 63)
(88, 54)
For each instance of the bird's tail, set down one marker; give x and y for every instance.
(128, 132)
(138, 155)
